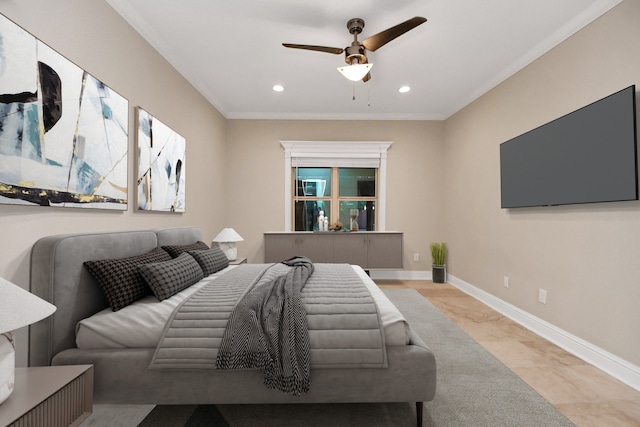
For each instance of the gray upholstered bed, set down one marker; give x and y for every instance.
(122, 375)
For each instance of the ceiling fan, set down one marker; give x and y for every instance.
(356, 54)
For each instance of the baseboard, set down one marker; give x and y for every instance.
(399, 275)
(618, 368)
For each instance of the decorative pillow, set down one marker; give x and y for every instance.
(176, 250)
(170, 277)
(120, 280)
(210, 260)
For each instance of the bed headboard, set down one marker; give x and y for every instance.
(58, 276)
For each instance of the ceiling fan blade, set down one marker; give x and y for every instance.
(378, 40)
(367, 77)
(334, 50)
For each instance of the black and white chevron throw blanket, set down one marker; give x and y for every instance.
(268, 330)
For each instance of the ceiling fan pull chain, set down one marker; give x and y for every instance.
(354, 91)
(369, 94)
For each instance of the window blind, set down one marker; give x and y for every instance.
(336, 153)
(328, 162)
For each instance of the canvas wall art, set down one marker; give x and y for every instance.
(63, 133)
(161, 165)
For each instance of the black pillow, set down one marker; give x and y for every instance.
(175, 250)
(170, 277)
(119, 278)
(210, 260)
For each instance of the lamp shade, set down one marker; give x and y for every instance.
(19, 307)
(355, 72)
(228, 235)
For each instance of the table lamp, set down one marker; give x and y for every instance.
(227, 239)
(18, 308)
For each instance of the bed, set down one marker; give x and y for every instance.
(122, 374)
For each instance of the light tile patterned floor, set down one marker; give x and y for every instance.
(585, 394)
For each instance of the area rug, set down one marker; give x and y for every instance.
(473, 389)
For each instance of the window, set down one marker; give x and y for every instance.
(335, 177)
(344, 194)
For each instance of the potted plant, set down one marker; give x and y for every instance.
(438, 258)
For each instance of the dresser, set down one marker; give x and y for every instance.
(370, 250)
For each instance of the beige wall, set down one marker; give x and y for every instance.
(414, 187)
(587, 257)
(95, 38)
(443, 177)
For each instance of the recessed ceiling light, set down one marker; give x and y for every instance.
(278, 88)
(404, 89)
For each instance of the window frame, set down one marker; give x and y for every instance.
(352, 154)
(335, 198)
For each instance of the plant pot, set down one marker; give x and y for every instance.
(439, 273)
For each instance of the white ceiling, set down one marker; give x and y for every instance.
(231, 51)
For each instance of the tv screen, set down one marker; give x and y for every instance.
(587, 156)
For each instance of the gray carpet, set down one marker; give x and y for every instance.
(474, 389)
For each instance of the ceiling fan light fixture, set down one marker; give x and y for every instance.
(355, 72)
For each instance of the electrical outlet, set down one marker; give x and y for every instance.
(506, 281)
(416, 257)
(542, 296)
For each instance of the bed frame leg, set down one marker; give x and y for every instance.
(419, 408)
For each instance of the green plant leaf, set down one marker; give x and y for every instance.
(438, 253)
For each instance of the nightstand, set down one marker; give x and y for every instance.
(238, 261)
(49, 395)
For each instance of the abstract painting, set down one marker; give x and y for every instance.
(63, 133)
(161, 165)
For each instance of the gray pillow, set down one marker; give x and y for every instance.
(210, 260)
(175, 250)
(170, 277)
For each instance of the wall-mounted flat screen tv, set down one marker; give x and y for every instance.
(587, 156)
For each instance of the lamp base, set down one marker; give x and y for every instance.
(230, 250)
(7, 365)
